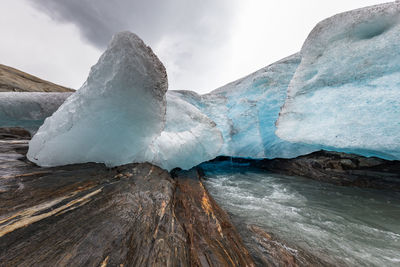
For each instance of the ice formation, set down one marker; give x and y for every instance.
(120, 115)
(245, 111)
(189, 137)
(345, 94)
(342, 93)
(28, 110)
(114, 116)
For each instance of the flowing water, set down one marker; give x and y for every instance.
(346, 225)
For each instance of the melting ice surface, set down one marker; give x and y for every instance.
(235, 120)
(347, 226)
(114, 116)
(342, 93)
(28, 110)
(245, 111)
(122, 115)
(189, 137)
(345, 94)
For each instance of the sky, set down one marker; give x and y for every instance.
(203, 44)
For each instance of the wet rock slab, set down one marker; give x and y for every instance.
(90, 215)
(340, 169)
(132, 215)
(213, 239)
(86, 215)
(331, 167)
(269, 250)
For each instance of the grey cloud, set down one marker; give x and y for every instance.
(151, 19)
(186, 34)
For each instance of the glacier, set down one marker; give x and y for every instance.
(114, 116)
(245, 111)
(28, 110)
(340, 93)
(189, 137)
(122, 115)
(345, 94)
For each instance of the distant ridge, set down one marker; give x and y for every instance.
(13, 80)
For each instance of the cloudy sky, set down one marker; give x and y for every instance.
(203, 44)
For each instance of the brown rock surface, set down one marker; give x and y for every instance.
(13, 80)
(14, 133)
(271, 251)
(339, 168)
(132, 215)
(213, 240)
(333, 167)
(264, 249)
(90, 215)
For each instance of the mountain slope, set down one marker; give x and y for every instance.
(13, 80)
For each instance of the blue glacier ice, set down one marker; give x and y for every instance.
(28, 110)
(122, 115)
(114, 116)
(245, 111)
(345, 94)
(189, 137)
(341, 92)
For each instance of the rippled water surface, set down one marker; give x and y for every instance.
(351, 226)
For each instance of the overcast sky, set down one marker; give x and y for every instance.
(203, 44)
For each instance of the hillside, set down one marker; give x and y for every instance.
(13, 80)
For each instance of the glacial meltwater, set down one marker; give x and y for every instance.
(342, 225)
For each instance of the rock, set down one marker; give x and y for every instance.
(87, 215)
(14, 133)
(136, 214)
(213, 238)
(13, 80)
(339, 168)
(268, 250)
(91, 215)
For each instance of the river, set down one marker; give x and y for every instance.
(343, 225)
